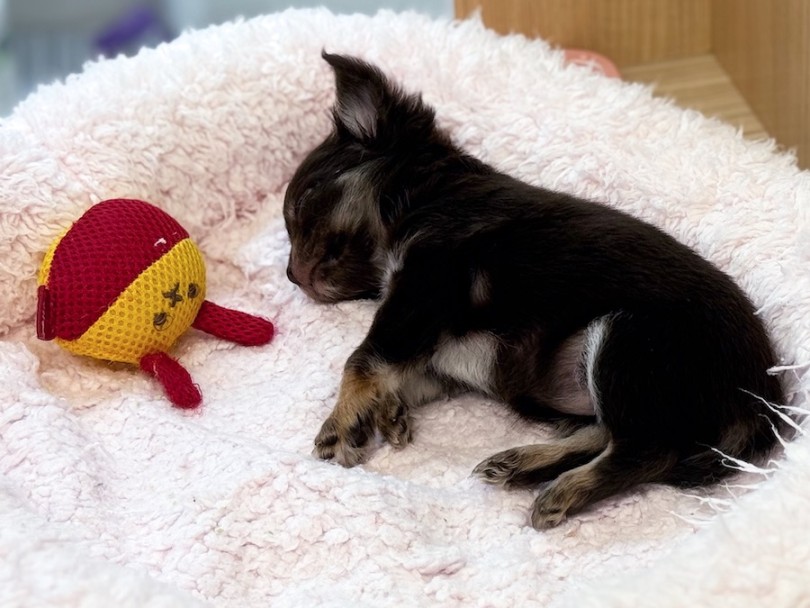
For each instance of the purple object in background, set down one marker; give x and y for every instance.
(140, 26)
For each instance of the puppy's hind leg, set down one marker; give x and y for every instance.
(619, 467)
(531, 465)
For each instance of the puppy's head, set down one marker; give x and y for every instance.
(344, 197)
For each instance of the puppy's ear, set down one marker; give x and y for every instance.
(369, 106)
(362, 93)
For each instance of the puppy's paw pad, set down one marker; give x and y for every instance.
(396, 427)
(326, 440)
(347, 447)
(547, 511)
(543, 520)
(498, 469)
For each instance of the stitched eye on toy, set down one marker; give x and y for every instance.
(193, 290)
(173, 295)
(161, 321)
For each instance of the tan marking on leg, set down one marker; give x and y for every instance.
(358, 392)
(591, 438)
(509, 466)
(569, 492)
(605, 475)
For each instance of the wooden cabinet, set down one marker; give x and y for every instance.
(764, 45)
(765, 48)
(628, 31)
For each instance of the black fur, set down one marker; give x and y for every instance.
(683, 357)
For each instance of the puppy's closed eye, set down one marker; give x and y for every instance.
(336, 247)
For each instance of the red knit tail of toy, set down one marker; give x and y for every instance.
(176, 381)
(233, 325)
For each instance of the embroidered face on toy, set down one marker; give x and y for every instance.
(123, 283)
(127, 281)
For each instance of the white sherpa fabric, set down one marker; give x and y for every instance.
(110, 497)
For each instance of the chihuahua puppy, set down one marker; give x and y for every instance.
(556, 306)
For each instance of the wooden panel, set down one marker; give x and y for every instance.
(699, 83)
(765, 48)
(627, 31)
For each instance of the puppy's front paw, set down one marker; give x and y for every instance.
(345, 445)
(394, 423)
(353, 443)
(326, 440)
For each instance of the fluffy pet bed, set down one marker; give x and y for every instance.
(110, 497)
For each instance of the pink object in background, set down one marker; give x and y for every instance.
(600, 63)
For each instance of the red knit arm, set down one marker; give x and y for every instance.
(233, 325)
(176, 381)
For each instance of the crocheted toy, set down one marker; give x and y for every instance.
(123, 283)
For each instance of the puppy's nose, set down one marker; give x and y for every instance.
(291, 276)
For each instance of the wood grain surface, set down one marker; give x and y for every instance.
(765, 48)
(700, 83)
(628, 31)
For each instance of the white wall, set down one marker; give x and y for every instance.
(48, 39)
(198, 13)
(193, 13)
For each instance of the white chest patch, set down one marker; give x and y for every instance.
(469, 360)
(393, 264)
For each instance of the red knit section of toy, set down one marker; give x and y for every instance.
(233, 325)
(110, 245)
(176, 381)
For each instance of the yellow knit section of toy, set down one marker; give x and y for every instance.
(45, 268)
(151, 313)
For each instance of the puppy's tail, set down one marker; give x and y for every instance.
(749, 439)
